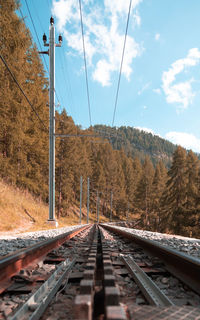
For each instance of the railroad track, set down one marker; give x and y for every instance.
(95, 274)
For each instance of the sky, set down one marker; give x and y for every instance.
(159, 89)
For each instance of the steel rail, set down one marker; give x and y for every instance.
(150, 290)
(35, 306)
(183, 266)
(14, 262)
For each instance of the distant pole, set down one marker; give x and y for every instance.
(81, 188)
(127, 215)
(97, 206)
(51, 53)
(111, 195)
(88, 198)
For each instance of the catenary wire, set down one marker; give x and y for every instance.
(40, 45)
(38, 18)
(66, 78)
(22, 91)
(49, 6)
(63, 69)
(120, 72)
(86, 76)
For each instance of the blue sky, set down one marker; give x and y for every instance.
(160, 83)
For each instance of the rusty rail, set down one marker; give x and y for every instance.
(14, 262)
(183, 266)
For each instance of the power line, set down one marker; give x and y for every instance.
(22, 91)
(48, 5)
(66, 77)
(37, 15)
(116, 99)
(39, 44)
(86, 76)
(61, 61)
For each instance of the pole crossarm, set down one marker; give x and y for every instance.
(60, 135)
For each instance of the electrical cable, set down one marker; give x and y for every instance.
(22, 91)
(40, 45)
(66, 77)
(38, 18)
(86, 75)
(64, 71)
(117, 93)
(49, 6)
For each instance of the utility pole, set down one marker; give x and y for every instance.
(111, 195)
(97, 206)
(81, 188)
(51, 53)
(88, 198)
(127, 215)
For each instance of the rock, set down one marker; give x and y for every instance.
(140, 301)
(173, 282)
(127, 279)
(7, 311)
(165, 280)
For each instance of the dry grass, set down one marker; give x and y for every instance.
(20, 211)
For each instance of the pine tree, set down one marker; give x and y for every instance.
(175, 197)
(137, 171)
(143, 198)
(127, 165)
(192, 206)
(159, 183)
(66, 163)
(13, 42)
(192, 169)
(120, 186)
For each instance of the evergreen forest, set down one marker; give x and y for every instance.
(149, 178)
(138, 143)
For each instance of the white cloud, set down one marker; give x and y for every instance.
(145, 87)
(104, 27)
(186, 140)
(119, 6)
(157, 36)
(137, 19)
(158, 91)
(145, 130)
(102, 72)
(66, 12)
(181, 92)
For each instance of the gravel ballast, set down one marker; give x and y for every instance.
(189, 246)
(11, 243)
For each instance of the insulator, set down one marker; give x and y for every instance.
(60, 38)
(52, 20)
(44, 38)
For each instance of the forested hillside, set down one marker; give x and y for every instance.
(165, 200)
(138, 143)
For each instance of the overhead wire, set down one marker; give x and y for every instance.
(22, 91)
(48, 5)
(40, 45)
(66, 78)
(63, 68)
(37, 15)
(85, 62)
(122, 59)
(86, 74)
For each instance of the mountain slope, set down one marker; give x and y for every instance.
(138, 143)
